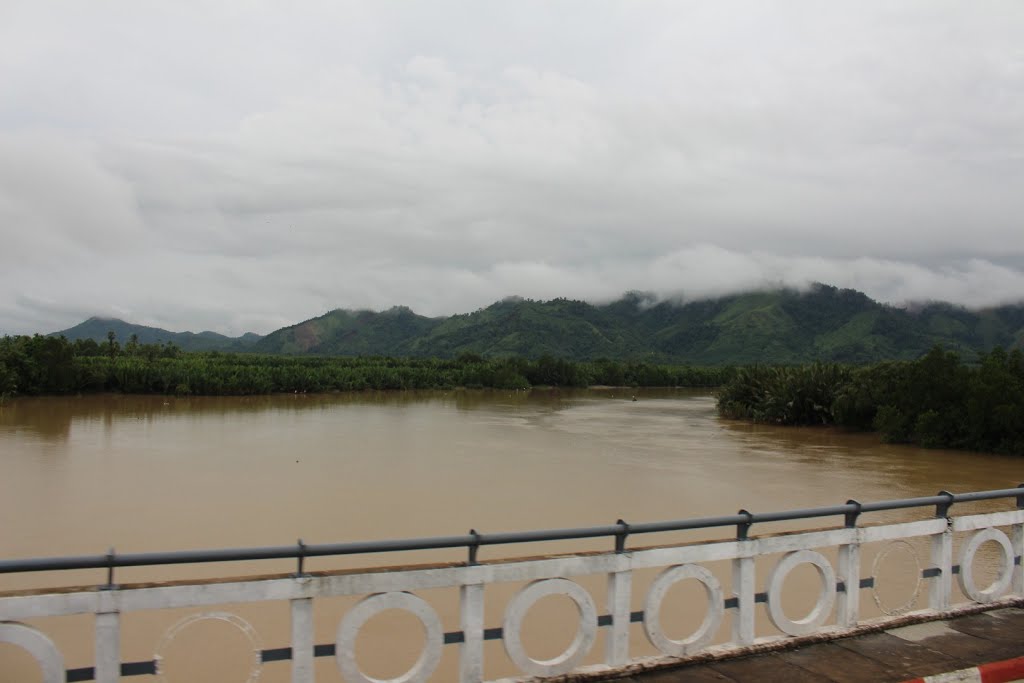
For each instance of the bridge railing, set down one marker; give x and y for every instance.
(834, 553)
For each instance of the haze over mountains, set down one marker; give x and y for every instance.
(782, 326)
(443, 155)
(97, 328)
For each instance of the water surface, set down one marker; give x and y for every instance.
(79, 475)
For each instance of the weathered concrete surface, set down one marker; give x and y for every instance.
(888, 657)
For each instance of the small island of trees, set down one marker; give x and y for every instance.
(937, 401)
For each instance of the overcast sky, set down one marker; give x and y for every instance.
(239, 166)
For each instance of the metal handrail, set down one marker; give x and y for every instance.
(742, 520)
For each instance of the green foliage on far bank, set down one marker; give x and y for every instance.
(53, 365)
(781, 327)
(937, 401)
(802, 395)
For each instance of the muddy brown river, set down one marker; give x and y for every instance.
(79, 475)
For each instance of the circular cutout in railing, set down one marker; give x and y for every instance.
(900, 548)
(585, 634)
(656, 596)
(371, 606)
(244, 627)
(826, 596)
(967, 557)
(38, 645)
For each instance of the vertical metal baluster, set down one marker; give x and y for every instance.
(108, 641)
(743, 583)
(940, 587)
(471, 651)
(1017, 541)
(620, 586)
(302, 639)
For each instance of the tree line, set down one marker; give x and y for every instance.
(38, 365)
(937, 401)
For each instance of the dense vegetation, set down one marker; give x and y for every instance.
(775, 327)
(54, 365)
(936, 401)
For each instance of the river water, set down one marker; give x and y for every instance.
(79, 475)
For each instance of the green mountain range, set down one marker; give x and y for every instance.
(782, 326)
(97, 329)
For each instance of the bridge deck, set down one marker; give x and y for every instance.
(892, 656)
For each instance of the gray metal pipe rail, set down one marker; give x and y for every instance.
(742, 520)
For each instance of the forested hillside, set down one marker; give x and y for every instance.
(350, 333)
(784, 326)
(775, 327)
(98, 329)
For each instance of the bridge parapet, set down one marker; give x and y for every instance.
(739, 599)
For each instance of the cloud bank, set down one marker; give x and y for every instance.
(214, 166)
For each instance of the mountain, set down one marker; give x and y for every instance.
(350, 333)
(518, 327)
(782, 326)
(97, 329)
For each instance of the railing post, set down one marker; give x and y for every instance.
(942, 509)
(940, 587)
(620, 586)
(743, 528)
(110, 585)
(620, 538)
(1017, 541)
(108, 639)
(302, 639)
(743, 584)
(300, 555)
(474, 548)
(849, 572)
(471, 650)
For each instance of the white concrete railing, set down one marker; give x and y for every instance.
(837, 606)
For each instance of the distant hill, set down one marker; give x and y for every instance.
(782, 326)
(351, 333)
(97, 329)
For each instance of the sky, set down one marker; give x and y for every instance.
(241, 166)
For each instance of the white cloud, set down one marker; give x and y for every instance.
(204, 166)
(56, 198)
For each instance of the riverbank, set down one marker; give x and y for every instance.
(937, 401)
(33, 366)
